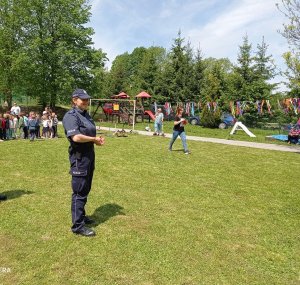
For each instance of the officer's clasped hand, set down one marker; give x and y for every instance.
(99, 141)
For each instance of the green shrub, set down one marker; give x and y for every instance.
(210, 119)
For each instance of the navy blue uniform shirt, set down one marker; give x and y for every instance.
(77, 122)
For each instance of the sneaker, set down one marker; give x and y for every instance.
(187, 152)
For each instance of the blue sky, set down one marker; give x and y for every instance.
(217, 26)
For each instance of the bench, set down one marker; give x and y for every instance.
(270, 126)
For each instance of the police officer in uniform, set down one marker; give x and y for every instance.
(81, 133)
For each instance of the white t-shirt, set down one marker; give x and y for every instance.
(15, 110)
(45, 123)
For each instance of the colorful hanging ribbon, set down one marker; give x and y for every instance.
(215, 106)
(269, 106)
(192, 109)
(231, 104)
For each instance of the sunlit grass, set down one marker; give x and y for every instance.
(223, 215)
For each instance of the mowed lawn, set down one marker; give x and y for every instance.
(222, 215)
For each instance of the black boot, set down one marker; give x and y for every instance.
(3, 197)
(84, 231)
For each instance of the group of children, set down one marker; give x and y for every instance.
(26, 126)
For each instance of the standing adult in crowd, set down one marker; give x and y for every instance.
(81, 133)
(15, 109)
(178, 130)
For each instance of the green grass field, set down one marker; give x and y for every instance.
(222, 215)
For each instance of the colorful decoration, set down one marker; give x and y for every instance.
(155, 107)
(269, 107)
(238, 108)
(192, 109)
(231, 104)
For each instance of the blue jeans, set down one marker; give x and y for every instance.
(32, 134)
(158, 127)
(183, 140)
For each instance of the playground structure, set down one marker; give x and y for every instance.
(119, 108)
(144, 112)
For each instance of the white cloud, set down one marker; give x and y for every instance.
(223, 35)
(217, 25)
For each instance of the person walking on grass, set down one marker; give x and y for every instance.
(178, 130)
(80, 130)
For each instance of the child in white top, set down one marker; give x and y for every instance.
(45, 122)
(159, 118)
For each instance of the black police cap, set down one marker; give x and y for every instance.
(81, 93)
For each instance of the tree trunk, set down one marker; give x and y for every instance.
(52, 101)
(8, 98)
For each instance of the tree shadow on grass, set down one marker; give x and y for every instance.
(13, 194)
(105, 212)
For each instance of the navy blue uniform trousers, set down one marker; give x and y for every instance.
(82, 170)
